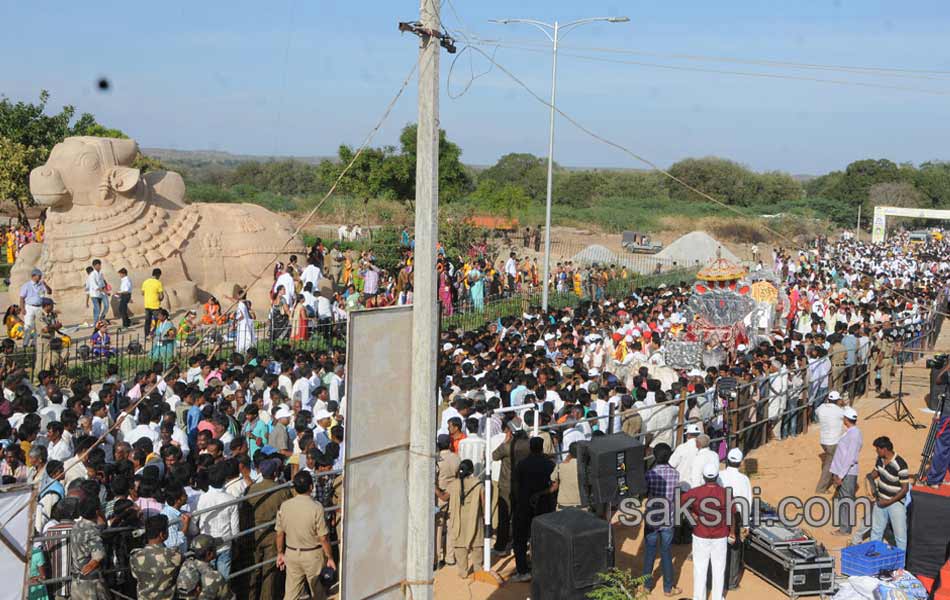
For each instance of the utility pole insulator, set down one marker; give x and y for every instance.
(416, 28)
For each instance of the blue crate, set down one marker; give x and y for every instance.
(855, 559)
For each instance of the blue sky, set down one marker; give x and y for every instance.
(299, 77)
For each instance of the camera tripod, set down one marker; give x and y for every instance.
(901, 411)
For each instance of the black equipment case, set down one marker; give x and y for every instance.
(790, 560)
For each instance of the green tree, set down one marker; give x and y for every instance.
(776, 187)
(507, 199)
(855, 183)
(16, 162)
(386, 173)
(576, 188)
(454, 180)
(722, 179)
(524, 170)
(932, 179)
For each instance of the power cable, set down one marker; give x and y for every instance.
(842, 82)
(880, 71)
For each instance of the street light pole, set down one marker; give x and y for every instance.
(546, 268)
(555, 29)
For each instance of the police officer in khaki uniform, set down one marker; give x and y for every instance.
(303, 546)
(446, 471)
(49, 343)
(885, 363)
(838, 356)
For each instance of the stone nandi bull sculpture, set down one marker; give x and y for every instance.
(101, 207)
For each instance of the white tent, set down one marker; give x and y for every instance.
(15, 519)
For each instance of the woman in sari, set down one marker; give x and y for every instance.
(101, 340)
(244, 335)
(187, 325)
(163, 346)
(13, 322)
(477, 289)
(279, 316)
(347, 269)
(298, 320)
(445, 291)
(10, 240)
(212, 314)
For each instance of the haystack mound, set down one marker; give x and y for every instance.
(697, 247)
(594, 253)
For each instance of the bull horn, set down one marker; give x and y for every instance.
(125, 151)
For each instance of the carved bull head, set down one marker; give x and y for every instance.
(86, 171)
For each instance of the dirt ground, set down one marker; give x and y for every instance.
(785, 468)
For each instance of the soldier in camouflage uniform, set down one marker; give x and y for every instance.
(197, 578)
(86, 553)
(155, 566)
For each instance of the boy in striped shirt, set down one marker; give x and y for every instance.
(892, 481)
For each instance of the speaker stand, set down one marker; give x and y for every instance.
(608, 510)
(898, 404)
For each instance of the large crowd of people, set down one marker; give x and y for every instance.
(219, 477)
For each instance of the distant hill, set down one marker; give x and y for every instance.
(218, 157)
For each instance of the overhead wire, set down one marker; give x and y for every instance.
(751, 74)
(856, 69)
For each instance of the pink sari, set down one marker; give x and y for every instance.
(445, 295)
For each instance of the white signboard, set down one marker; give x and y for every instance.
(376, 461)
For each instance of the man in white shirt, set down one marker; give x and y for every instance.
(59, 447)
(145, 428)
(683, 455)
(704, 456)
(96, 287)
(831, 429)
(125, 296)
(324, 309)
(301, 389)
(311, 274)
(730, 477)
(287, 281)
(335, 383)
(321, 433)
(220, 523)
(511, 271)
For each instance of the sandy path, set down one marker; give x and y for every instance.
(785, 468)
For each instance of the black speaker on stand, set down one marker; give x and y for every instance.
(610, 468)
(567, 553)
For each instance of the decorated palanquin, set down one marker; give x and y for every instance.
(771, 304)
(720, 302)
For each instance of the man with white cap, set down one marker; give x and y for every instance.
(683, 455)
(829, 421)
(844, 469)
(704, 456)
(731, 478)
(710, 532)
(321, 429)
(278, 436)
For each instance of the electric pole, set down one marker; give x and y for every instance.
(425, 315)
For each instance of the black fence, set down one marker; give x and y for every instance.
(131, 351)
